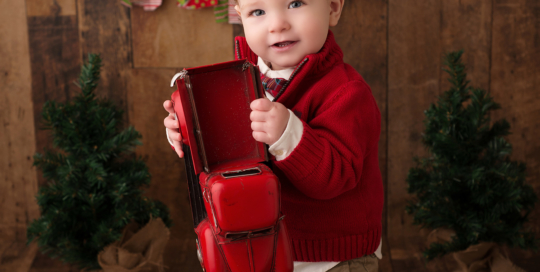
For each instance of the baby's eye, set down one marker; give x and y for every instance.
(295, 4)
(257, 12)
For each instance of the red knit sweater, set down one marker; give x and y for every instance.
(331, 186)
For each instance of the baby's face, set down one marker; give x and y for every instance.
(283, 32)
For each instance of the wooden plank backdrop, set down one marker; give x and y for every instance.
(173, 37)
(515, 78)
(18, 182)
(413, 83)
(54, 53)
(397, 46)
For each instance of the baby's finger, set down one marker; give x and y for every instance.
(170, 122)
(257, 126)
(168, 106)
(178, 148)
(260, 136)
(174, 135)
(257, 116)
(261, 104)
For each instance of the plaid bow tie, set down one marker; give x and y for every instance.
(272, 85)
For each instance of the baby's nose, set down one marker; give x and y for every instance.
(279, 23)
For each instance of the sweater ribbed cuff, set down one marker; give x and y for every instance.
(305, 157)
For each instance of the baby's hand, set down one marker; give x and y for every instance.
(172, 128)
(268, 120)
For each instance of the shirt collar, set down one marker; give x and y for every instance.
(265, 70)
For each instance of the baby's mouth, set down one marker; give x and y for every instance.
(283, 44)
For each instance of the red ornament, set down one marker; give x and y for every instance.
(196, 4)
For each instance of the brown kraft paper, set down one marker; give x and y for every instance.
(140, 250)
(483, 257)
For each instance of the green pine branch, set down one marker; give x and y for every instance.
(89, 77)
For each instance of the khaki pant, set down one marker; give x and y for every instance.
(368, 263)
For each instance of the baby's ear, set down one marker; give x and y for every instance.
(237, 8)
(336, 6)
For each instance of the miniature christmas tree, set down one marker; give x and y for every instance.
(468, 183)
(94, 179)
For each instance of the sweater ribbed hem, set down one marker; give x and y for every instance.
(337, 249)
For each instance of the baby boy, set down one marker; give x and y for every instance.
(322, 126)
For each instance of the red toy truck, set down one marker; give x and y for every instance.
(235, 197)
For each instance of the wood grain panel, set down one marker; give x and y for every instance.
(16, 256)
(55, 57)
(362, 35)
(413, 83)
(466, 24)
(515, 81)
(18, 182)
(175, 37)
(104, 28)
(148, 89)
(54, 53)
(51, 8)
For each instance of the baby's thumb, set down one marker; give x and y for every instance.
(168, 106)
